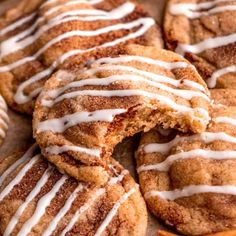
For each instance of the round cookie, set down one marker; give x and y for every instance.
(35, 199)
(4, 119)
(204, 32)
(80, 116)
(189, 181)
(64, 33)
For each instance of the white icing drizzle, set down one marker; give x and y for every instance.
(186, 94)
(142, 59)
(163, 64)
(77, 33)
(20, 98)
(206, 137)
(72, 2)
(95, 196)
(42, 204)
(61, 124)
(19, 41)
(146, 23)
(120, 93)
(119, 178)
(17, 24)
(192, 190)
(209, 154)
(225, 119)
(53, 225)
(113, 212)
(20, 161)
(82, 209)
(46, 200)
(18, 177)
(195, 85)
(211, 82)
(197, 10)
(146, 75)
(55, 150)
(14, 220)
(209, 43)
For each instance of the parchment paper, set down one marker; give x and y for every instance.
(20, 131)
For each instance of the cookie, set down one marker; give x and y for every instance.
(63, 33)
(35, 199)
(204, 32)
(4, 119)
(189, 180)
(80, 116)
(226, 97)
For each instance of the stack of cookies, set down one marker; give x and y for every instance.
(93, 72)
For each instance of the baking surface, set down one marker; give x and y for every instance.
(20, 131)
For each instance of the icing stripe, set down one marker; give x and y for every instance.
(119, 178)
(125, 93)
(206, 44)
(113, 212)
(61, 124)
(20, 40)
(211, 82)
(142, 59)
(225, 119)
(55, 150)
(197, 10)
(17, 24)
(163, 64)
(206, 137)
(18, 177)
(14, 220)
(191, 190)
(201, 153)
(63, 211)
(70, 3)
(186, 94)
(20, 161)
(81, 210)
(146, 22)
(42, 204)
(30, 17)
(153, 76)
(20, 98)
(96, 195)
(92, 2)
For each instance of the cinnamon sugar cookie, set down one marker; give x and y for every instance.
(4, 119)
(189, 181)
(35, 199)
(80, 116)
(64, 33)
(205, 33)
